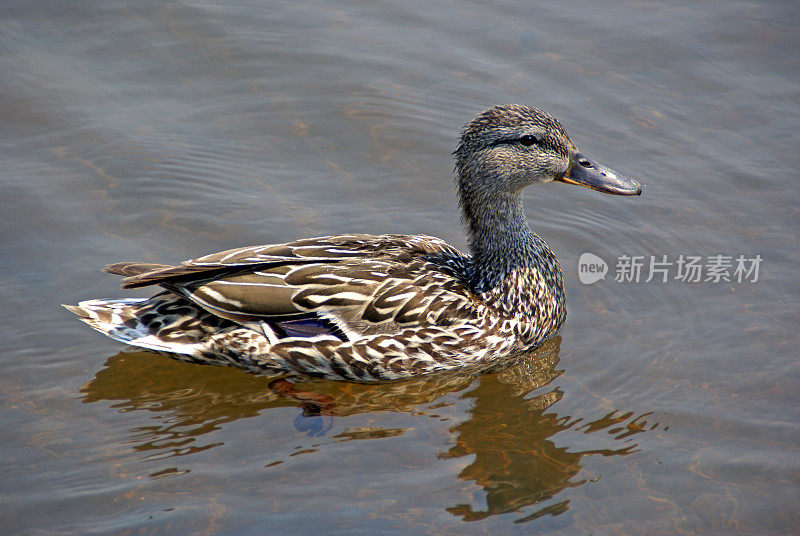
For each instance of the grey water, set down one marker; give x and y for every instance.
(161, 131)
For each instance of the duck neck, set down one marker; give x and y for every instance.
(499, 238)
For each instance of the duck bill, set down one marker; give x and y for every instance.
(584, 171)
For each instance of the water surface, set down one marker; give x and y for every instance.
(160, 131)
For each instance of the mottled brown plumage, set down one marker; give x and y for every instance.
(365, 307)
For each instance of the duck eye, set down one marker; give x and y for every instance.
(527, 140)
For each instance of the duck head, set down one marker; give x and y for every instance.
(510, 146)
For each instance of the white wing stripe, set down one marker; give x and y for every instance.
(316, 298)
(400, 297)
(244, 284)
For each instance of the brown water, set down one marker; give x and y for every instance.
(165, 130)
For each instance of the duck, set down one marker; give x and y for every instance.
(368, 308)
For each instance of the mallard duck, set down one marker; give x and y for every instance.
(377, 307)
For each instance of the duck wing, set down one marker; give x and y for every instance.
(321, 249)
(353, 285)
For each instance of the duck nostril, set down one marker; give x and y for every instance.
(585, 162)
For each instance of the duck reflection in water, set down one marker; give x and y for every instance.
(507, 431)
